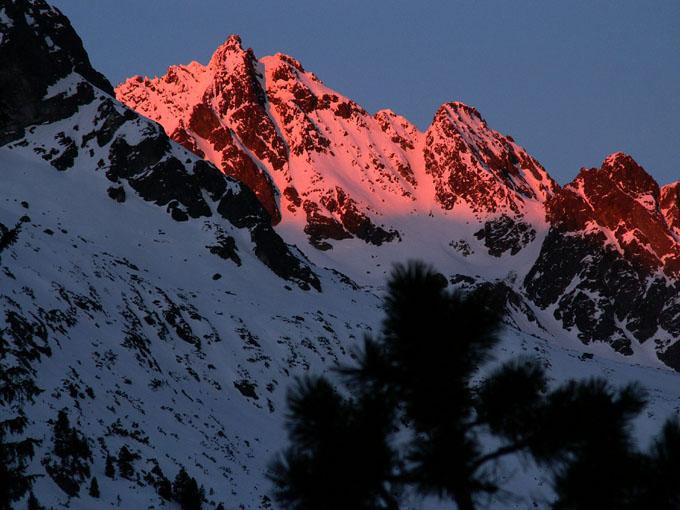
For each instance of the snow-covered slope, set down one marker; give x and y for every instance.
(149, 297)
(157, 343)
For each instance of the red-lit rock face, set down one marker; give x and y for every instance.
(218, 112)
(670, 206)
(275, 127)
(292, 103)
(241, 101)
(629, 176)
(472, 163)
(622, 201)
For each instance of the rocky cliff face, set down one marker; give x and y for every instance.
(622, 200)
(612, 259)
(670, 206)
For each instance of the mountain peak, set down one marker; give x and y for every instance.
(233, 41)
(232, 47)
(233, 44)
(631, 177)
(472, 162)
(460, 110)
(622, 201)
(290, 60)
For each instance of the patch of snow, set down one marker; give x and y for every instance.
(66, 85)
(5, 20)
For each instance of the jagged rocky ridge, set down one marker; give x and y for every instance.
(599, 258)
(318, 159)
(149, 296)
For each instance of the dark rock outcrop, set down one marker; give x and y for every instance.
(354, 221)
(157, 178)
(38, 48)
(505, 234)
(243, 210)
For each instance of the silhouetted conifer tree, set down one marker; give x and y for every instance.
(340, 457)
(33, 503)
(9, 236)
(660, 483)
(16, 387)
(186, 492)
(94, 488)
(109, 469)
(62, 435)
(164, 489)
(415, 381)
(162, 485)
(73, 453)
(14, 456)
(125, 459)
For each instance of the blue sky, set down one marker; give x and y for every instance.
(571, 81)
